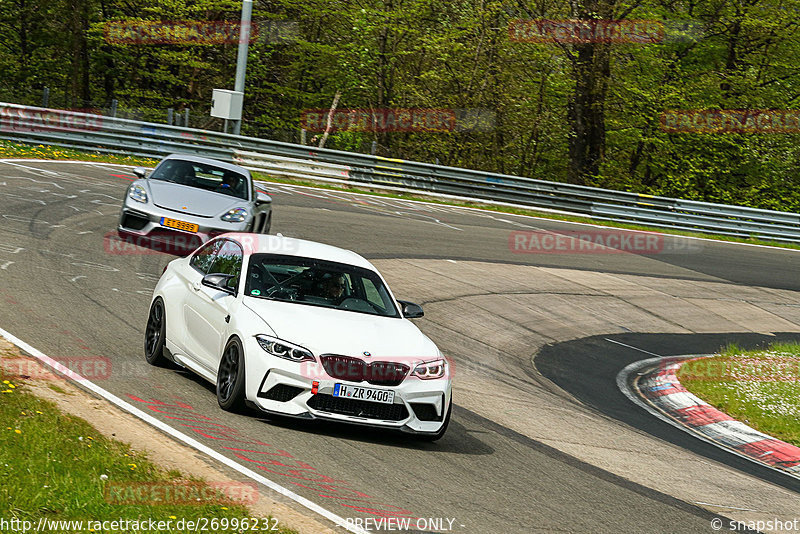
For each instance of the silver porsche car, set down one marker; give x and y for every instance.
(187, 200)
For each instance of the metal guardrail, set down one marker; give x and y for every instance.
(113, 135)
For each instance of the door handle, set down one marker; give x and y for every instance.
(196, 286)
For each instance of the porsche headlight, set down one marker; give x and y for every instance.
(284, 349)
(430, 370)
(138, 193)
(235, 215)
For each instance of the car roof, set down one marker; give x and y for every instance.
(289, 246)
(198, 159)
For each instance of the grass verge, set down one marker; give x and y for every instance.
(17, 150)
(25, 151)
(761, 388)
(55, 467)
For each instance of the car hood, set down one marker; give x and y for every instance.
(328, 331)
(191, 200)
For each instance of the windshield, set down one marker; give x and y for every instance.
(318, 283)
(203, 176)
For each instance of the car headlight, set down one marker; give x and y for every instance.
(137, 193)
(430, 370)
(235, 215)
(284, 349)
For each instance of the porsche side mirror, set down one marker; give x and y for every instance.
(141, 172)
(262, 198)
(411, 310)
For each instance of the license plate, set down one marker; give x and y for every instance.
(179, 225)
(384, 396)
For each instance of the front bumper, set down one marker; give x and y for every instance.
(279, 386)
(144, 221)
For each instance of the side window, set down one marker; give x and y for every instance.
(373, 295)
(202, 259)
(229, 261)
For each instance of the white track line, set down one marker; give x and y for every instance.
(180, 435)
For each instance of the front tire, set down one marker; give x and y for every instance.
(155, 334)
(230, 377)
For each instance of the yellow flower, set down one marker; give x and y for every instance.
(40, 413)
(12, 386)
(18, 431)
(224, 507)
(132, 466)
(8, 391)
(6, 382)
(173, 517)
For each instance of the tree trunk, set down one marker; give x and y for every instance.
(586, 107)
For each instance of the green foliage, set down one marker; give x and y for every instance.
(760, 387)
(458, 55)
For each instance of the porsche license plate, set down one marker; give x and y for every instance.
(179, 225)
(384, 396)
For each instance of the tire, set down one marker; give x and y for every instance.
(230, 377)
(440, 433)
(155, 334)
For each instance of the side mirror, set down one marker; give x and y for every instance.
(262, 198)
(411, 310)
(218, 281)
(141, 172)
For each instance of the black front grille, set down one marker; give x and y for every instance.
(134, 221)
(281, 393)
(425, 411)
(357, 370)
(358, 408)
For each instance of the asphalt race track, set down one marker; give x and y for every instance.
(540, 440)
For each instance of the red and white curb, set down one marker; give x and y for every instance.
(653, 384)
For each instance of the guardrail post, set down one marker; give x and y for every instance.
(186, 118)
(46, 97)
(170, 113)
(114, 104)
(302, 136)
(374, 149)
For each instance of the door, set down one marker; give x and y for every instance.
(207, 309)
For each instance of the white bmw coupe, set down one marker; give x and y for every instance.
(301, 329)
